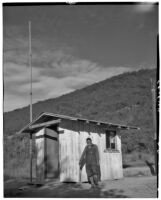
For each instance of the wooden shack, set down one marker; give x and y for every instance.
(60, 141)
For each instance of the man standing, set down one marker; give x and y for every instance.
(90, 157)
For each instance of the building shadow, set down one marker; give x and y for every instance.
(66, 190)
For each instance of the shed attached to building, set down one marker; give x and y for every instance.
(60, 141)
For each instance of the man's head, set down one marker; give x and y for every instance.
(112, 134)
(89, 141)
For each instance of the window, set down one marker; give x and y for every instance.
(111, 140)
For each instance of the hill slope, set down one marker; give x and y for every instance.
(122, 99)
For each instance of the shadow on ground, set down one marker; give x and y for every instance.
(70, 190)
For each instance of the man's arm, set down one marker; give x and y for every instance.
(83, 155)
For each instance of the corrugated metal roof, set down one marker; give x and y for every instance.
(45, 117)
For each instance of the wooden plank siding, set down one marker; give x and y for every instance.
(69, 152)
(71, 146)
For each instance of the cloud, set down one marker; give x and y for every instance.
(74, 75)
(20, 74)
(13, 101)
(70, 68)
(143, 7)
(56, 71)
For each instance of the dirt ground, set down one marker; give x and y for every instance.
(128, 187)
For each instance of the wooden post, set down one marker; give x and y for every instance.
(154, 122)
(80, 171)
(30, 157)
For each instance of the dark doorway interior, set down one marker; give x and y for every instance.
(51, 152)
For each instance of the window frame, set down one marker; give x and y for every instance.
(108, 141)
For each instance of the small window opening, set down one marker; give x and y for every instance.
(111, 140)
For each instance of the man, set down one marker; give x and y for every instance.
(112, 140)
(90, 157)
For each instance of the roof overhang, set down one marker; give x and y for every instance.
(48, 119)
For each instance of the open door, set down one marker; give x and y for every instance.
(51, 153)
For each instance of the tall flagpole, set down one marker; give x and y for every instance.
(30, 65)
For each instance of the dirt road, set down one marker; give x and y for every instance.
(129, 187)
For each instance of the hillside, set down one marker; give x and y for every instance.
(122, 99)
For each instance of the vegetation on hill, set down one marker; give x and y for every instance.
(124, 99)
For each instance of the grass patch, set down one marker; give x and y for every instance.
(137, 159)
(16, 169)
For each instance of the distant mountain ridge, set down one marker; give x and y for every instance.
(124, 99)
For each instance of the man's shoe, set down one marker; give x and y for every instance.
(92, 186)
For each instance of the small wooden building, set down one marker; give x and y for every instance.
(60, 141)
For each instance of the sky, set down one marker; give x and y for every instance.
(73, 46)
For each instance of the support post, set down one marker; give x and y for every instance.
(80, 170)
(30, 157)
(153, 90)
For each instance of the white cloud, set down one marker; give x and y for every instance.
(55, 72)
(76, 75)
(13, 101)
(15, 73)
(143, 7)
